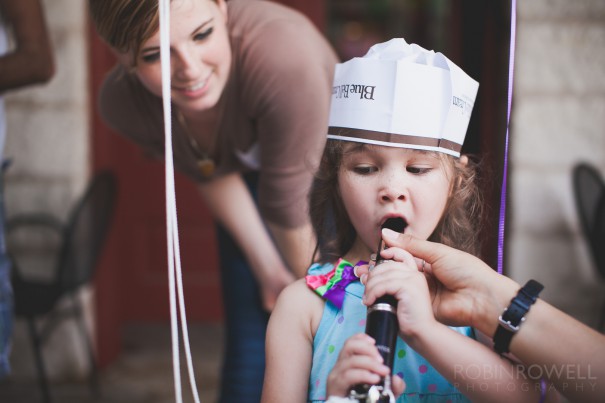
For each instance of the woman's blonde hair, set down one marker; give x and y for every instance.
(458, 226)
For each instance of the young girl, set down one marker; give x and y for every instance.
(397, 123)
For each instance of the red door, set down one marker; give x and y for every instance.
(132, 280)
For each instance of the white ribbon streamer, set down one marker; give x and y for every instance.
(175, 280)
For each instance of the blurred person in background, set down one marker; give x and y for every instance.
(26, 58)
(250, 89)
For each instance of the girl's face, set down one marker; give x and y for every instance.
(377, 183)
(200, 55)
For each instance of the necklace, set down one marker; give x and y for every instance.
(205, 163)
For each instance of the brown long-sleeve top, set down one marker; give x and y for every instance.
(274, 109)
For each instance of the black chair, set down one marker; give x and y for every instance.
(79, 243)
(589, 192)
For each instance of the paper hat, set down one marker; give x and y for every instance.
(402, 95)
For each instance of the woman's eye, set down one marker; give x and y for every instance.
(417, 170)
(200, 36)
(151, 57)
(364, 169)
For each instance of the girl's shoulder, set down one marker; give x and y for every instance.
(299, 301)
(298, 290)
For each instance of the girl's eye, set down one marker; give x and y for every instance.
(364, 169)
(151, 57)
(417, 170)
(200, 36)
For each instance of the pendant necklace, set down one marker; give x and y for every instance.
(205, 163)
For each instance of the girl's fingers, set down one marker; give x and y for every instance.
(390, 278)
(401, 255)
(364, 363)
(398, 385)
(360, 344)
(340, 382)
(361, 270)
(397, 254)
(358, 362)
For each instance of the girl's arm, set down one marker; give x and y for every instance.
(232, 205)
(477, 371)
(289, 344)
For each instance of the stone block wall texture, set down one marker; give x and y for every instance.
(558, 120)
(48, 143)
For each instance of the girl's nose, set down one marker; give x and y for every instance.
(393, 188)
(389, 196)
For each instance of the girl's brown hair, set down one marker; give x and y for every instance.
(335, 233)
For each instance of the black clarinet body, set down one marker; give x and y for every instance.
(382, 326)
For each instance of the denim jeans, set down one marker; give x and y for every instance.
(6, 292)
(245, 321)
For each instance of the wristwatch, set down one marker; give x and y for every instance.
(514, 315)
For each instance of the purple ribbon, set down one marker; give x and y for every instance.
(511, 65)
(336, 294)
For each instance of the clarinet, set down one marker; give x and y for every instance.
(382, 326)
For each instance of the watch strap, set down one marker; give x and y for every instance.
(514, 315)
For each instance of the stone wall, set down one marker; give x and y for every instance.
(48, 142)
(558, 120)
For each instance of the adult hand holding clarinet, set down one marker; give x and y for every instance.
(466, 291)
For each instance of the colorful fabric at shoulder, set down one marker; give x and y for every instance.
(331, 286)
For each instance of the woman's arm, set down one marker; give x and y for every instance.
(289, 98)
(289, 344)
(469, 292)
(232, 205)
(477, 371)
(296, 246)
(473, 368)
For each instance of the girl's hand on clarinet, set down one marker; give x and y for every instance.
(359, 362)
(401, 278)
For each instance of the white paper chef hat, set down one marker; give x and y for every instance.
(402, 95)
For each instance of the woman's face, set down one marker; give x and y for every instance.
(200, 55)
(377, 183)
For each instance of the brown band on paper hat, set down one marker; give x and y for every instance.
(402, 95)
(393, 138)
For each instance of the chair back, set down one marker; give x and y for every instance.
(589, 192)
(598, 238)
(86, 230)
